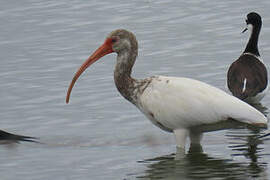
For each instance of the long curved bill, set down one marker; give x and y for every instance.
(104, 49)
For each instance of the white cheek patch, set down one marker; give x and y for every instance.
(250, 27)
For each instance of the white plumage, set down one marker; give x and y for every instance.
(178, 104)
(181, 103)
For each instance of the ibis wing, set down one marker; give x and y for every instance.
(182, 102)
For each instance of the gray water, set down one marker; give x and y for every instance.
(100, 135)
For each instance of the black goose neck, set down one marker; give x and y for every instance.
(252, 45)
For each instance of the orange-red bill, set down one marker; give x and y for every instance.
(104, 49)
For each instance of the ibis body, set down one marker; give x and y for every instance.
(174, 104)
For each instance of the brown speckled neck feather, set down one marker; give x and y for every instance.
(127, 52)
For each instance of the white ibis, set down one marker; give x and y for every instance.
(174, 104)
(247, 76)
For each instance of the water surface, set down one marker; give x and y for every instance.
(99, 135)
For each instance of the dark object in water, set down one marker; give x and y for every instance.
(5, 136)
(263, 136)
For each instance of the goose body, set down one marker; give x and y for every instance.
(247, 76)
(174, 104)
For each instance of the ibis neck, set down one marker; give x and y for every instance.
(252, 45)
(125, 84)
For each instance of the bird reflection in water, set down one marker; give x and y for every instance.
(199, 165)
(244, 142)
